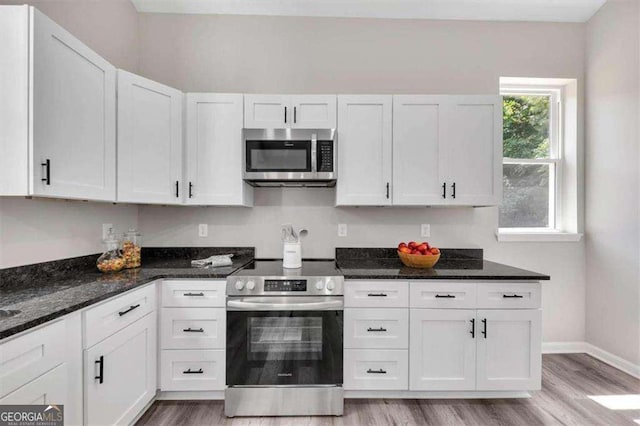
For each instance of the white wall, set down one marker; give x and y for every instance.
(613, 179)
(34, 231)
(329, 55)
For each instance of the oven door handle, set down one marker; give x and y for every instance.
(325, 305)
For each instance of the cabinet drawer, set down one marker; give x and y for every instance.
(114, 315)
(508, 295)
(442, 295)
(193, 293)
(374, 294)
(29, 356)
(376, 328)
(192, 370)
(371, 369)
(193, 328)
(50, 388)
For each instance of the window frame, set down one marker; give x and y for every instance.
(556, 157)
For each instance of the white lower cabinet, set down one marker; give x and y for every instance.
(50, 388)
(192, 370)
(120, 374)
(373, 369)
(442, 350)
(509, 349)
(192, 328)
(376, 328)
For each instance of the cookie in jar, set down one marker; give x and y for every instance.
(111, 260)
(131, 249)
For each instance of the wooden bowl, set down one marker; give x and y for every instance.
(418, 260)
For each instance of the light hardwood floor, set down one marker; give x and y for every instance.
(567, 381)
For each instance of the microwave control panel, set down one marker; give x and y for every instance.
(325, 156)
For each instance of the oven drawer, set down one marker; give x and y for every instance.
(376, 328)
(370, 369)
(376, 294)
(193, 293)
(499, 295)
(114, 315)
(192, 328)
(441, 295)
(192, 370)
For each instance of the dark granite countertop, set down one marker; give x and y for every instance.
(454, 264)
(50, 290)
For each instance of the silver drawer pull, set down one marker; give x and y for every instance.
(380, 371)
(376, 329)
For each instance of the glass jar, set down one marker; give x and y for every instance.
(131, 248)
(111, 260)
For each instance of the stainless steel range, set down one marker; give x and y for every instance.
(284, 340)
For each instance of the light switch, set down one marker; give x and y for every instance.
(342, 230)
(203, 230)
(425, 230)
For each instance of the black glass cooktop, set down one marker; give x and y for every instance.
(273, 268)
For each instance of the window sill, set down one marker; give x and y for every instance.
(537, 237)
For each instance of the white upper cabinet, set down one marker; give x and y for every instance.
(57, 111)
(418, 163)
(473, 150)
(290, 111)
(214, 151)
(313, 112)
(447, 150)
(149, 141)
(364, 150)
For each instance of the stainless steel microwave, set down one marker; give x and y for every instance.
(290, 157)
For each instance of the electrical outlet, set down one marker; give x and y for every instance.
(107, 228)
(425, 230)
(342, 230)
(203, 230)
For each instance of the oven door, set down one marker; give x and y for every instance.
(269, 344)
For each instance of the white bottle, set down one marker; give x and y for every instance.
(292, 255)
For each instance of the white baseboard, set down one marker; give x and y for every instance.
(613, 360)
(596, 352)
(564, 347)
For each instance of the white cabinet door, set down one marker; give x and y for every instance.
(418, 163)
(50, 388)
(314, 111)
(364, 150)
(509, 349)
(214, 151)
(149, 141)
(473, 150)
(267, 112)
(128, 374)
(73, 102)
(442, 349)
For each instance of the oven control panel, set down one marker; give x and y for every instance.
(285, 285)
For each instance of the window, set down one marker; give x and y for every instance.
(533, 163)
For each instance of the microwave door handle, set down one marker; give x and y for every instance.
(314, 153)
(242, 305)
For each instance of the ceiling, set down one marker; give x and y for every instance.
(476, 10)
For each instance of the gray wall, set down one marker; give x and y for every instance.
(34, 231)
(613, 179)
(325, 55)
